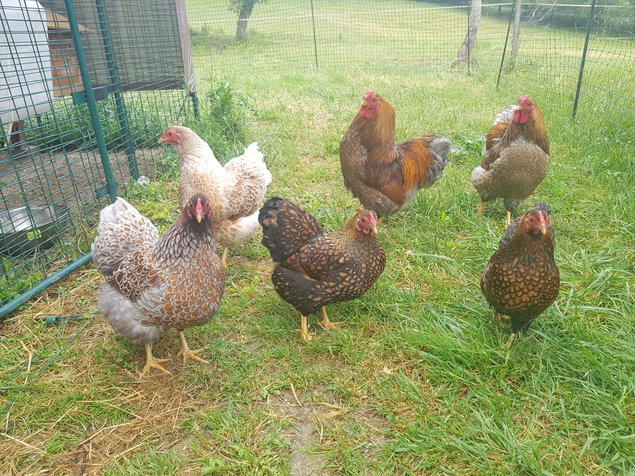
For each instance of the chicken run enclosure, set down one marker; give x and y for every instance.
(87, 87)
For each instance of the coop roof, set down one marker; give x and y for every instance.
(57, 21)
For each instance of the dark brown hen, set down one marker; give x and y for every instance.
(521, 279)
(315, 268)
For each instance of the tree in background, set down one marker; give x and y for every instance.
(472, 29)
(244, 9)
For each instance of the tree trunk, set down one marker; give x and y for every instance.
(470, 38)
(243, 19)
(518, 8)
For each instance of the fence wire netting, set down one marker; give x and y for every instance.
(60, 161)
(401, 36)
(71, 139)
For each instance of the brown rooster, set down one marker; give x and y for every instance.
(383, 175)
(521, 279)
(152, 282)
(515, 156)
(315, 268)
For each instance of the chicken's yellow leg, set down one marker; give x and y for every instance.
(185, 352)
(508, 217)
(511, 339)
(224, 258)
(152, 362)
(325, 322)
(481, 207)
(304, 329)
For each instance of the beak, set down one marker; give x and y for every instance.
(543, 228)
(161, 139)
(199, 216)
(374, 231)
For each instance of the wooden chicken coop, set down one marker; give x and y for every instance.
(64, 64)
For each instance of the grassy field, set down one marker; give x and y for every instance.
(419, 379)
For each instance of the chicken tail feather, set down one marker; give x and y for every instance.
(286, 227)
(440, 148)
(122, 230)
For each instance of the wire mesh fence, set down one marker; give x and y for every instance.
(395, 36)
(86, 89)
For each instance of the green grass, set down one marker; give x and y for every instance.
(419, 380)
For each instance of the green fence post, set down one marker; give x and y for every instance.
(509, 26)
(90, 100)
(584, 53)
(197, 110)
(124, 128)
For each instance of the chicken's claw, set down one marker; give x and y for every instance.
(326, 323)
(152, 362)
(186, 353)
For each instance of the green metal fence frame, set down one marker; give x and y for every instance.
(87, 95)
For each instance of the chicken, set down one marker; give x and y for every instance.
(383, 175)
(515, 156)
(235, 190)
(154, 283)
(521, 279)
(315, 268)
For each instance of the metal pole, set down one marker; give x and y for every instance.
(41, 286)
(469, 38)
(124, 128)
(314, 36)
(584, 53)
(509, 27)
(90, 99)
(195, 106)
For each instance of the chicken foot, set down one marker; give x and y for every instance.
(152, 362)
(185, 352)
(304, 329)
(508, 218)
(326, 323)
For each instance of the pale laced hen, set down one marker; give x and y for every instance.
(154, 283)
(235, 190)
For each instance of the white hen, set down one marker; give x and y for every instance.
(235, 190)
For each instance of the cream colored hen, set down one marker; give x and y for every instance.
(235, 190)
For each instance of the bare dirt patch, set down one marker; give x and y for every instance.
(304, 435)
